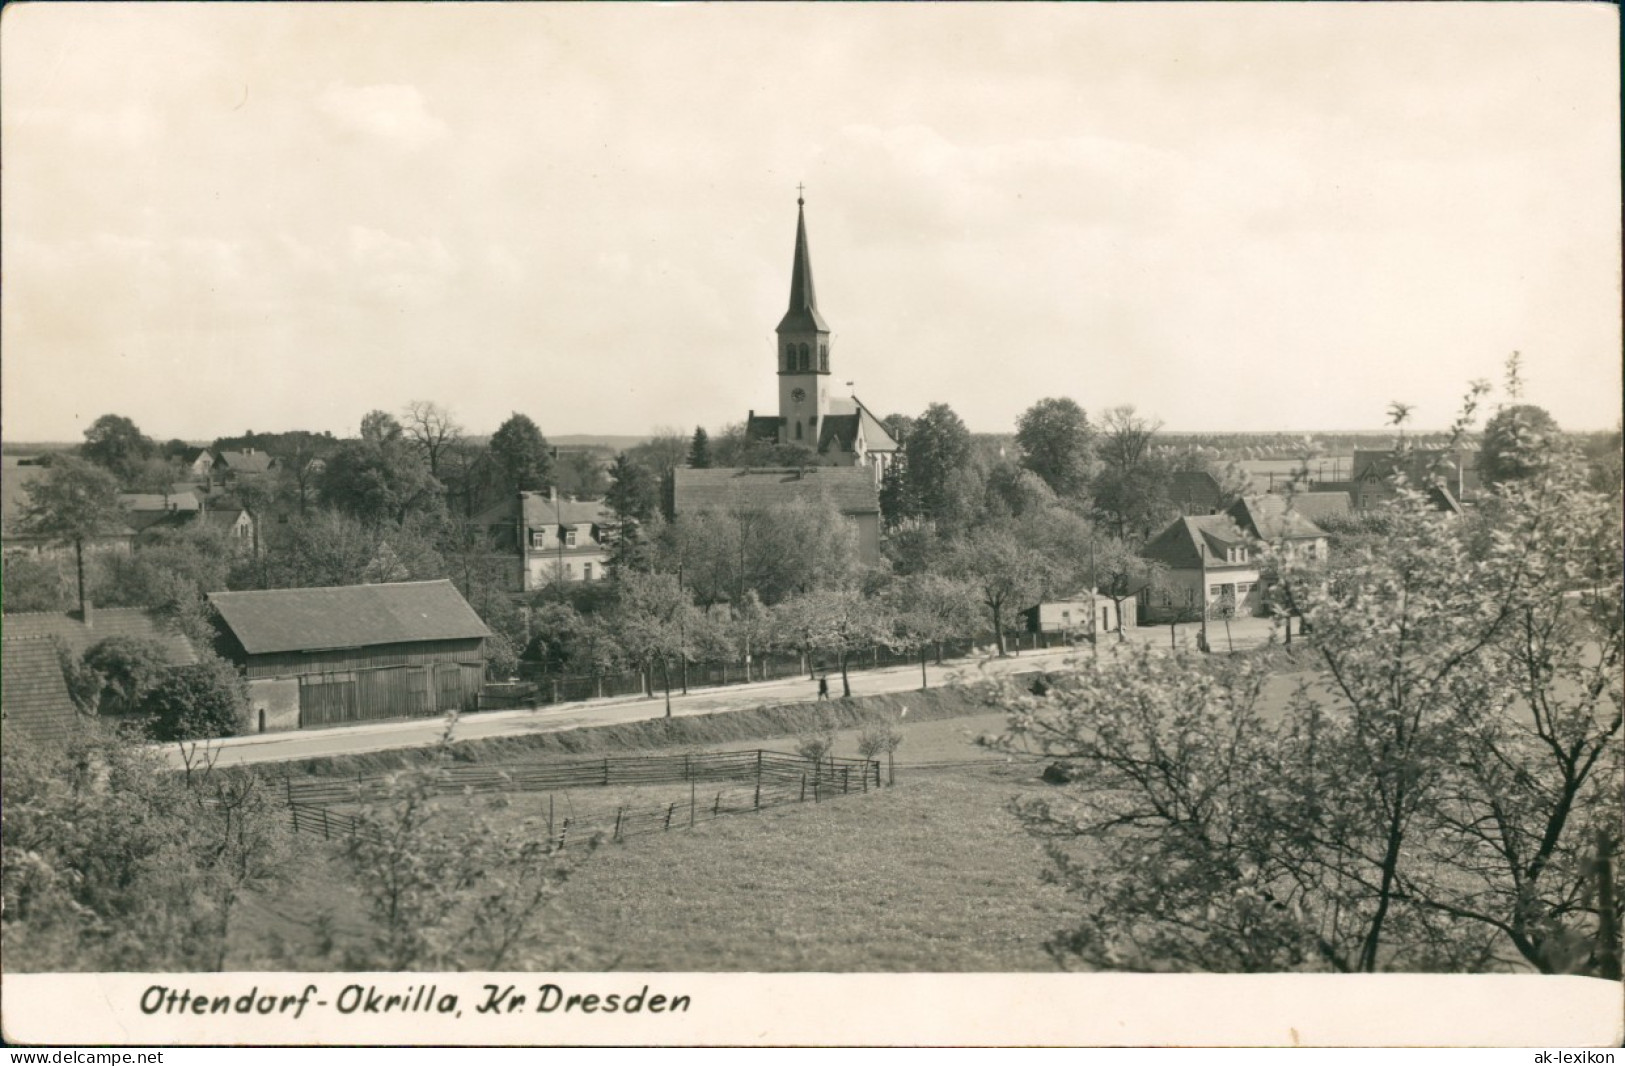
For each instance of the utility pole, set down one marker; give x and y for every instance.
(1201, 593)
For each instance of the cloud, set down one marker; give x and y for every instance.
(395, 114)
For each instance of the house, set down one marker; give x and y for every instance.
(326, 656)
(236, 523)
(1195, 492)
(147, 512)
(198, 462)
(849, 490)
(1446, 476)
(90, 624)
(549, 538)
(841, 431)
(1318, 505)
(1083, 616)
(34, 700)
(233, 464)
(1210, 563)
(1276, 519)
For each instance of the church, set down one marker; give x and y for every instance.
(839, 430)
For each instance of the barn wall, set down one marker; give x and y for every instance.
(294, 664)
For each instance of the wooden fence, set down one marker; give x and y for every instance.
(751, 780)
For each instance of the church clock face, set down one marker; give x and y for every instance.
(798, 395)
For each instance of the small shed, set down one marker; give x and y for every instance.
(327, 656)
(1077, 617)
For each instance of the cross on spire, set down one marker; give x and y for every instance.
(800, 188)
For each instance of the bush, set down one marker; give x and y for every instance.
(197, 703)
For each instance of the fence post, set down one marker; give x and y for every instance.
(671, 810)
(550, 816)
(324, 824)
(564, 831)
(606, 770)
(618, 812)
(287, 782)
(815, 788)
(691, 803)
(844, 787)
(803, 789)
(716, 807)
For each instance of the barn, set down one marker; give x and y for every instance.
(328, 656)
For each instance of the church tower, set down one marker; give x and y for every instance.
(803, 351)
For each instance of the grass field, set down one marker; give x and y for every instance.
(931, 875)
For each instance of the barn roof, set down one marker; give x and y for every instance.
(34, 698)
(851, 489)
(104, 622)
(349, 616)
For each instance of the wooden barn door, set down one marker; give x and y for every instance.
(326, 700)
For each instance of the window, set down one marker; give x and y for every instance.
(538, 539)
(586, 571)
(1215, 590)
(569, 538)
(798, 431)
(806, 358)
(823, 356)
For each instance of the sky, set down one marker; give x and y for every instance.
(224, 217)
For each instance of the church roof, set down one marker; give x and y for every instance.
(846, 418)
(851, 489)
(803, 312)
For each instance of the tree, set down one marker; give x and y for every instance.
(1433, 796)
(196, 702)
(432, 430)
(633, 493)
(523, 460)
(1131, 490)
(444, 889)
(699, 452)
(74, 502)
(937, 448)
(648, 619)
(1518, 442)
(380, 427)
(113, 861)
(33, 584)
(662, 453)
(928, 608)
(580, 473)
(1006, 573)
(128, 668)
(1057, 444)
(115, 444)
(378, 481)
(845, 622)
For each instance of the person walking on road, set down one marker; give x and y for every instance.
(823, 686)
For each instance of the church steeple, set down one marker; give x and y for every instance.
(803, 312)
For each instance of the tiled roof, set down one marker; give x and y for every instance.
(851, 489)
(1176, 546)
(14, 491)
(1194, 485)
(246, 462)
(1319, 504)
(763, 427)
(156, 501)
(104, 622)
(350, 616)
(34, 698)
(541, 511)
(838, 433)
(1272, 517)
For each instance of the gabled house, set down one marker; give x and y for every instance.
(326, 656)
(548, 538)
(1445, 476)
(233, 464)
(199, 463)
(1209, 563)
(850, 490)
(1276, 519)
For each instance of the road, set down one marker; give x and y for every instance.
(422, 732)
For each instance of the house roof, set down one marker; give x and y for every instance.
(876, 437)
(851, 489)
(157, 501)
(349, 616)
(1194, 484)
(802, 314)
(1320, 504)
(14, 491)
(34, 698)
(1273, 517)
(763, 427)
(255, 462)
(541, 511)
(1176, 546)
(104, 622)
(224, 517)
